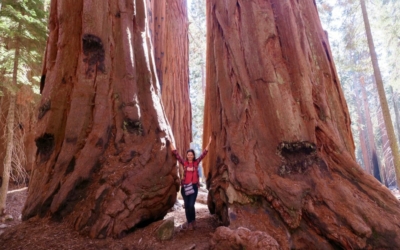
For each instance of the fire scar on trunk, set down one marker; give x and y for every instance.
(296, 157)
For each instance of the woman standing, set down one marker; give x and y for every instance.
(190, 181)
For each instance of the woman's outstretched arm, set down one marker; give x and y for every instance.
(175, 152)
(209, 142)
(205, 151)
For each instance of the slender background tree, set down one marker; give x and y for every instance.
(345, 25)
(22, 36)
(382, 96)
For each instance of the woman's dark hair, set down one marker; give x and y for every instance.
(194, 154)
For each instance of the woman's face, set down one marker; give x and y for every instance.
(190, 156)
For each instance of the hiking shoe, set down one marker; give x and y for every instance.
(190, 226)
(184, 226)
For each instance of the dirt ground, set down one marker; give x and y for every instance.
(46, 234)
(14, 204)
(40, 234)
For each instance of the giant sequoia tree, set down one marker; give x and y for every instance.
(168, 22)
(102, 161)
(283, 159)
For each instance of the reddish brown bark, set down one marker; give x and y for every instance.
(169, 31)
(103, 164)
(283, 157)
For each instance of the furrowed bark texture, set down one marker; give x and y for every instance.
(103, 163)
(168, 23)
(283, 158)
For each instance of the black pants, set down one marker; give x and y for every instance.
(189, 203)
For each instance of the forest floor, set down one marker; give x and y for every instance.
(46, 234)
(40, 234)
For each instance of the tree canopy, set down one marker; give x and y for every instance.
(23, 26)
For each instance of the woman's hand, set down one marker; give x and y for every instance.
(171, 145)
(209, 142)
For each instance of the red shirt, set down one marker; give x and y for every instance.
(190, 169)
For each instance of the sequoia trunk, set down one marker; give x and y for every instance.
(168, 23)
(103, 164)
(283, 158)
